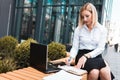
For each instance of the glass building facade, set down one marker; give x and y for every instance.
(49, 20)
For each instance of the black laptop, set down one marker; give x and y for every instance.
(39, 58)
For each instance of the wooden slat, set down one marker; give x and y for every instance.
(84, 77)
(35, 71)
(31, 73)
(21, 76)
(3, 78)
(7, 76)
(28, 73)
(29, 77)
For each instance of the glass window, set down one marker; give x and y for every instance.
(61, 18)
(56, 19)
(25, 18)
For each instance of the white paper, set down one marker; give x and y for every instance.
(62, 75)
(73, 70)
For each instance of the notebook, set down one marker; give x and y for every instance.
(73, 70)
(39, 58)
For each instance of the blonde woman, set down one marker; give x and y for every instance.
(89, 43)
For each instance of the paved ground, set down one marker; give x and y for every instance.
(114, 61)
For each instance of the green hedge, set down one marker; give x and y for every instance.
(7, 64)
(22, 53)
(56, 51)
(8, 44)
(14, 56)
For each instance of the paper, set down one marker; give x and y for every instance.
(73, 70)
(62, 75)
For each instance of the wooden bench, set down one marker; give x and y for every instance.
(28, 73)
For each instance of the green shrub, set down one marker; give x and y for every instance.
(7, 64)
(56, 51)
(7, 47)
(2, 56)
(8, 44)
(22, 53)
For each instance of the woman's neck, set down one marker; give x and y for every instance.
(90, 27)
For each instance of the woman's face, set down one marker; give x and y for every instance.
(86, 17)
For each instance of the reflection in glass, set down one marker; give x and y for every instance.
(60, 21)
(61, 18)
(27, 19)
(29, 3)
(56, 21)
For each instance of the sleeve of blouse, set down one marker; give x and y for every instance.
(101, 46)
(75, 44)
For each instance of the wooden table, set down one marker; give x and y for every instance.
(28, 73)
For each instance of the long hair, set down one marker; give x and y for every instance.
(91, 8)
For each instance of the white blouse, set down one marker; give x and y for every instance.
(92, 40)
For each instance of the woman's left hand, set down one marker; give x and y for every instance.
(81, 62)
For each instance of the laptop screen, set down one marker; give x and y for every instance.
(38, 56)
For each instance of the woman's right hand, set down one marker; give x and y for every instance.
(68, 60)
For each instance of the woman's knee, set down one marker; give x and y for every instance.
(93, 74)
(105, 70)
(105, 73)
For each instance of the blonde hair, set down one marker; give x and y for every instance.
(91, 8)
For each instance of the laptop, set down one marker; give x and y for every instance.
(39, 58)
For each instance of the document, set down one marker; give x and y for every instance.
(62, 75)
(73, 70)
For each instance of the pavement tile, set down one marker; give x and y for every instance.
(113, 58)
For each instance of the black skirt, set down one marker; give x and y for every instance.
(91, 63)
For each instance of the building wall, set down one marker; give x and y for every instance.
(5, 12)
(114, 28)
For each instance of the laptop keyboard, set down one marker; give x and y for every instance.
(50, 65)
(57, 64)
(51, 68)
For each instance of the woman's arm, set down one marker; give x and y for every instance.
(101, 45)
(75, 45)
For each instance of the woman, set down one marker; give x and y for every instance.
(88, 45)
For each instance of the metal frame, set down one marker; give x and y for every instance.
(46, 34)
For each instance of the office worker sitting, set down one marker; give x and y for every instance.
(89, 43)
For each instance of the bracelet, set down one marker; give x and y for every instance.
(85, 56)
